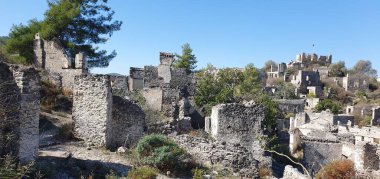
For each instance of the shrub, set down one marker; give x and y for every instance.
(143, 173)
(10, 169)
(198, 173)
(328, 104)
(159, 151)
(338, 169)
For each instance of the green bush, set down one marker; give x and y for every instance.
(143, 173)
(159, 151)
(334, 107)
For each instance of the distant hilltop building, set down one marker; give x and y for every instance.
(303, 57)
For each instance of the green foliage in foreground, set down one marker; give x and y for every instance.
(10, 169)
(159, 151)
(143, 173)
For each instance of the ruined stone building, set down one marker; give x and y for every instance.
(291, 105)
(102, 119)
(324, 137)
(19, 111)
(355, 83)
(165, 88)
(51, 56)
(307, 82)
(277, 71)
(305, 58)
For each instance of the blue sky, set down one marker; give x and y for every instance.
(230, 33)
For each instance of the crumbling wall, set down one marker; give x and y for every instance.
(127, 124)
(237, 123)
(19, 111)
(357, 83)
(28, 82)
(220, 155)
(119, 85)
(291, 106)
(9, 112)
(136, 79)
(319, 152)
(51, 56)
(92, 108)
(103, 119)
(153, 97)
(151, 78)
(366, 157)
(292, 173)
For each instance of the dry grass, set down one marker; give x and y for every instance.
(338, 169)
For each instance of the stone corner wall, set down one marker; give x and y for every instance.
(92, 107)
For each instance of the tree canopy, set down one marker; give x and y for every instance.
(78, 24)
(233, 85)
(364, 67)
(187, 60)
(338, 69)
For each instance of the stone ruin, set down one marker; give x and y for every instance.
(102, 119)
(19, 111)
(324, 137)
(307, 82)
(355, 83)
(51, 56)
(166, 89)
(305, 58)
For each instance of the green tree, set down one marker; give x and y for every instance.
(250, 84)
(78, 24)
(21, 40)
(268, 65)
(187, 60)
(334, 107)
(338, 69)
(364, 67)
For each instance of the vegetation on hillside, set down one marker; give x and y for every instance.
(329, 104)
(230, 85)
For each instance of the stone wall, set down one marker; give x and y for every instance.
(127, 124)
(291, 106)
(318, 153)
(136, 79)
(9, 112)
(153, 97)
(151, 79)
(19, 111)
(237, 123)
(92, 108)
(366, 157)
(119, 85)
(28, 82)
(220, 155)
(103, 119)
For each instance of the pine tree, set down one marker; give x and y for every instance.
(187, 60)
